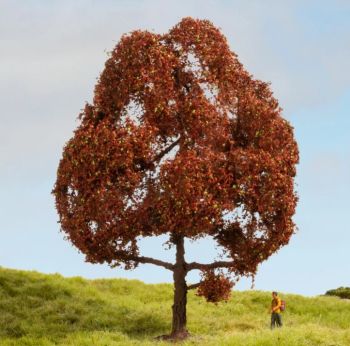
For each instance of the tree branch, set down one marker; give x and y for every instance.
(147, 260)
(166, 265)
(201, 266)
(143, 164)
(166, 150)
(193, 286)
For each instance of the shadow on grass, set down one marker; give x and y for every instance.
(54, 307)
(244, 326)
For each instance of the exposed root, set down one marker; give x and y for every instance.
(174, 337)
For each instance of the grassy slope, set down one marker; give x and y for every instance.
(38, 309)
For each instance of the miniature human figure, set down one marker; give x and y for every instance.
(276, 318)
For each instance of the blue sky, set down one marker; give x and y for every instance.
(51, 54)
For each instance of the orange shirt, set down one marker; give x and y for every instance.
(276, 305)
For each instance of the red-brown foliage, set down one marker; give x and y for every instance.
(179, 139)
(214, 287)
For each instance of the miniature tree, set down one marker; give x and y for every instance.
(179, 140)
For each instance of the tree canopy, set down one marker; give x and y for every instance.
(180, 140)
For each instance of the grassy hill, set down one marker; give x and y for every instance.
(38, 309)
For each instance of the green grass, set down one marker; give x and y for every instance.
(38, 309)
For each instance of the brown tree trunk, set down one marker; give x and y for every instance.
(179, 330)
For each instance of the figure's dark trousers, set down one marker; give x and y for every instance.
(276, 320)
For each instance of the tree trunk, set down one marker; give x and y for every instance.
(179, 330)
